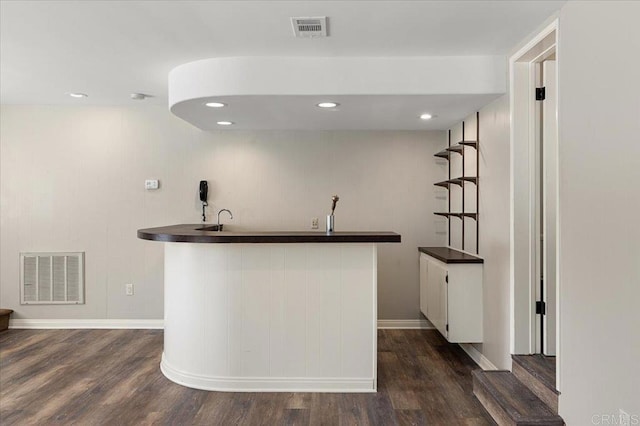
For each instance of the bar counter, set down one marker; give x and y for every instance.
(270, 311)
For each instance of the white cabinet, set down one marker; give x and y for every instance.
(451, 294)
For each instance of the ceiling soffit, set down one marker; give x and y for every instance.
(388, 86)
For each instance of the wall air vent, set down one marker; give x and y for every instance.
(310, 27)
(52, 278)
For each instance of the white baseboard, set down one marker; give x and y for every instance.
(482, 361)
(267, 384)
(138, 323)
(85, 323)
(408, 323)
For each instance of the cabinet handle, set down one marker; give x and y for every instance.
(446, 278)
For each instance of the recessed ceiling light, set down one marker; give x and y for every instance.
(78, 95)
(215, 104)
(328, 104)
(426, 117)
(225, 123)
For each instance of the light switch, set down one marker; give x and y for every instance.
(151, 184)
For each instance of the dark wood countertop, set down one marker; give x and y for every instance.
(449, 255)
(189, 233)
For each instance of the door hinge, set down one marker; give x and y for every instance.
(446, 327)
(541, 308)
(540, 94)
(446, 278)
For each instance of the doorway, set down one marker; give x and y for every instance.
(534, 203)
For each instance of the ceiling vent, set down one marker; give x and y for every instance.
(310, 27)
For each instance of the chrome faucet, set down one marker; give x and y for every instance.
(224, 210)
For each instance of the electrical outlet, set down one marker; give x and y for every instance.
(128, 288)
(314, 223)
(151, 184)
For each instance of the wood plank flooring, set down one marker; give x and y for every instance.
(112, 377)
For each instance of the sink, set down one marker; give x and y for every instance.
(211, 228)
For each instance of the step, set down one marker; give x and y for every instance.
(510, 402)
(538, 373)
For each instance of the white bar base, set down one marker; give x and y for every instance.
(271, 317)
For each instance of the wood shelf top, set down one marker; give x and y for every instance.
(473, 144)
(449, 255)
(459, 148)
(455, 148)
(442, 154)
(447, 214)
(459, 215)
(457, 181)
(197, 233)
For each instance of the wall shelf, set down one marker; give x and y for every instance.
(460, 181)
(448, 214)
(472, 179)
(473, 144)
(459, 215)
(457, 181)
(456, 148)
(442, 154)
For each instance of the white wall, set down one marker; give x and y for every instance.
(599, 166)
(493, 221)
(72, 180)
(599, 148)
(494, 229)
(599, 151)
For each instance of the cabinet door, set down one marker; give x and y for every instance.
(423, 283)
(437, 295)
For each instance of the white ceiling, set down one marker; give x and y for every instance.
(109, 49)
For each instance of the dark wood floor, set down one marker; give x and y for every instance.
(104, 377)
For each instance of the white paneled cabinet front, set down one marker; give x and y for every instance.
(451, 298)
(271, 317)
(437, 294)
